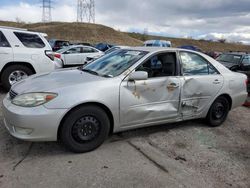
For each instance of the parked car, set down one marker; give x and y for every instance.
(23, 53)
(58, 44)
(191, 47)
(157, 43)
(235, 61)
(238, 62)
(103, 46)
(126, 89)
(114, 48)
(77, 55)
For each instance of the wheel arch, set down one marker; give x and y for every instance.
(17, 63)
(102, 106)
(228, 97)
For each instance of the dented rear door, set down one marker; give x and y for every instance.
(200, 84)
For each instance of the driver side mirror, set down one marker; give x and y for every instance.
(138, 75)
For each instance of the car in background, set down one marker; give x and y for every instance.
(103, 46)
(114, 48)
(238, 62)
(57, 44)
(77, 55)
(235, 61)
(23, 53)
(191, 47)
(127, 89)
(157, 43)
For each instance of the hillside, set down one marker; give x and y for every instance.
(202, 44)
(79, 32)
(94, 33)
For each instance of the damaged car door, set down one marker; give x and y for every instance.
(154, 99)
(200, 83)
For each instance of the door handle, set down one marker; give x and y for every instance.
(4, 53)
(216, 81)
(172, 86)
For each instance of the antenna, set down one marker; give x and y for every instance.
(46, 6)
(86, 9)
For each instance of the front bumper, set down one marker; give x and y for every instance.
(32, 124)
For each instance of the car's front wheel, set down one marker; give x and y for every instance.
(218, 111)
(85, 128)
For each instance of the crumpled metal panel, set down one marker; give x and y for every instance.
(143, 101)
(197, 92)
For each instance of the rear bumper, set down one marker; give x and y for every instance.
(239, 99)
(247, 103)
(32, 124)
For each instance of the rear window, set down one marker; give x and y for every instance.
(3, 41)
(30, 40)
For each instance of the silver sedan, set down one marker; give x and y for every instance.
(126, 89)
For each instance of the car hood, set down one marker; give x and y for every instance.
(54, 80)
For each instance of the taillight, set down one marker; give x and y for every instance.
(50, 54)
(246, 81)
(57, 55)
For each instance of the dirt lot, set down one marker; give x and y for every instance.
(188, 154)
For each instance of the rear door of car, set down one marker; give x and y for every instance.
(6, 52)
(155, 99)
(200, 83)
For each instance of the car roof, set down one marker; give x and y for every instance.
(15, 29)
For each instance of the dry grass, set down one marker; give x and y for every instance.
(94, 33)
(204, 45)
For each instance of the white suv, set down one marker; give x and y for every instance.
(23, 53)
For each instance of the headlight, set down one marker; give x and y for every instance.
(33, 99)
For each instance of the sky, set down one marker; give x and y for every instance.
(207, 19)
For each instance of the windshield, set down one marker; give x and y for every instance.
(115, 63)
(229, 58)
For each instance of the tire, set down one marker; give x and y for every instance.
(218, 112)
(11, 69)
(85, 129)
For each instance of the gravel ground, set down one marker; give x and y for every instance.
(187, 154)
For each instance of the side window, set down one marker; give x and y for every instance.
(88, 50)
(246, 60)
(3, 41)
(30, 40)
(194, 64)
(74, 50)
(160, 65)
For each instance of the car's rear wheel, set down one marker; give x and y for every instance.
(13, 74)
(85, 129)
(218, 111)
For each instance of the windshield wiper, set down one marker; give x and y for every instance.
(90, 71)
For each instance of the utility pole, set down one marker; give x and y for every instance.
(86, 11)
(46, 6)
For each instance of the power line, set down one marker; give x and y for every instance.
(86, 11)
(46, 8)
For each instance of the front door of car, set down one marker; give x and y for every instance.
(72, 56)
(155, 99)
(200, 84)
